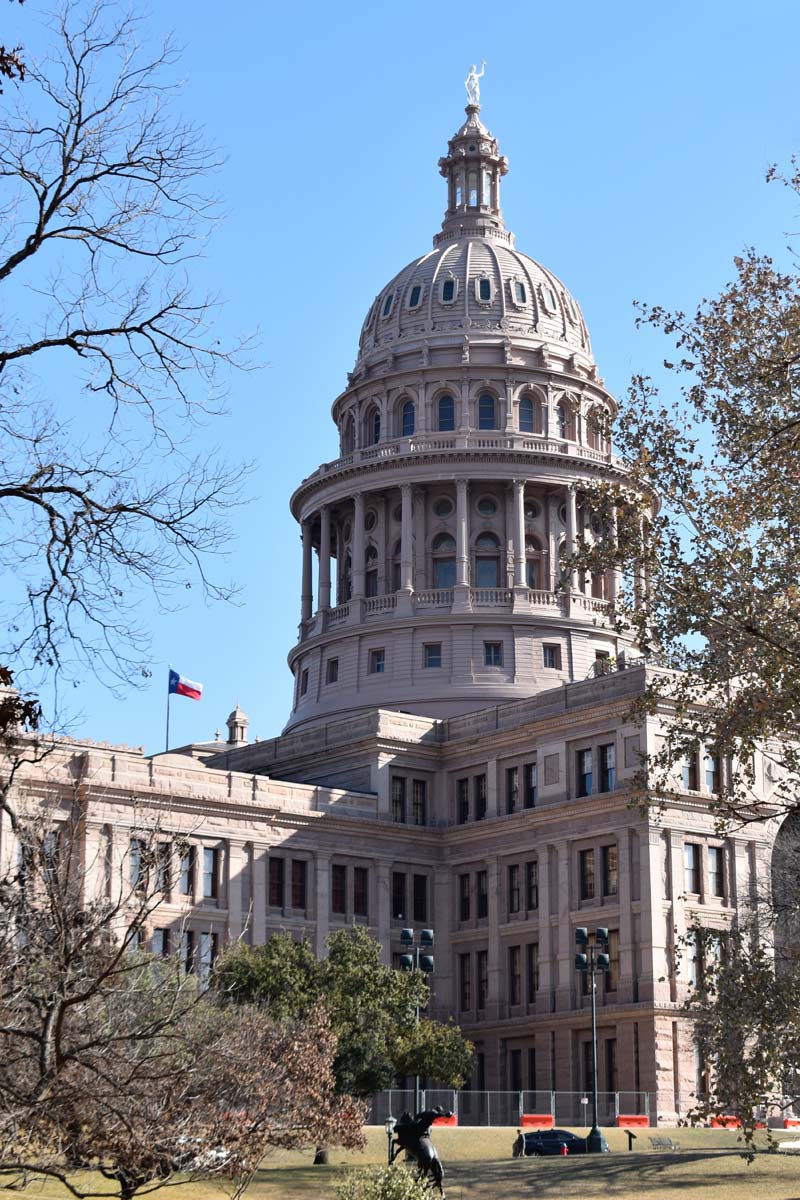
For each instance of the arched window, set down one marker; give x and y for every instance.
(566, 421)
(596, 429)
(444, 561)
(371, 571)
(599, 585)
(407, 419)
(346, 579)
(526, 415)
(487, 412)
(446, 410)
(472, 189)
(487, 561)
(396, 558)
(534, 574)
(372, 426)
(348, 435)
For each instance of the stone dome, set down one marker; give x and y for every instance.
(523, 299)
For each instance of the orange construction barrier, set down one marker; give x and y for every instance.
(537, 1121)
(791, 1123)
(732, 1123)
(446, 1120)
(633, 1121)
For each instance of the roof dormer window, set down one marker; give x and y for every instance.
(415, 296)
(387, 305)
(519, 293)
(548, 299)
(483, 289)
(449, 290)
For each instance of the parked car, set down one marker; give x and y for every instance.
(551, 1141)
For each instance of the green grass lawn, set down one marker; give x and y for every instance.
(478, 1166)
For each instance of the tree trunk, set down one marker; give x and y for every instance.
(321, 1156)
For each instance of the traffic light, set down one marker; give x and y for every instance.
(406, 962)
(426, 964)
(601, 937)
(426, 938)
(407, 937)
(581, 936)
(581, 962)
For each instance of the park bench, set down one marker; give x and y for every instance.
(664, 1143)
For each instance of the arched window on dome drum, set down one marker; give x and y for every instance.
(444, 561)
(566, 421)
(599, 585)
(472, 189)
(348, 435)
(459, 190)
(346, 579)
(487, 418)
(371, 571)
(372, 426)
(534, 567)
(595, 430)
(526, 415)
(487, 561)
(446, 414)
(487, 190)
(407, 419)
(396, 567)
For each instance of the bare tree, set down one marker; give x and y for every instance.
(118, 1061)
(108, 358)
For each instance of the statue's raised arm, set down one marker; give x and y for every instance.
(472, 85)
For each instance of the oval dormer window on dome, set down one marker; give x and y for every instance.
(483, 289)
(415, 296)
(487, 412)
(549, 302)
(569, 305)
(449, 290)
(445, 414)
(519, 292)
(407, 419)
(387, 305)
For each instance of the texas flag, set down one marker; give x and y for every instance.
(179, 685)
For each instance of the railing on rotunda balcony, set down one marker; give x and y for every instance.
(433, 598)
(433, 443)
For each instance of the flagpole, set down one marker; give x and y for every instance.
(166, 745)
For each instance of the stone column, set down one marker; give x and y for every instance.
(306, 593)
(259, 886)
(616, 576)
(565, 941)
(461, 599)
(406, 540)
(626, 947)
(519, 533)
(383, 908)
(324, 590)
(420, 557)
(494, 945)
(358, 546)
(572, 530)
(235, 868)
(322, 878)
(552, 542)
(463, 424)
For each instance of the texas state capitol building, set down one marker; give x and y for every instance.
(455, 757)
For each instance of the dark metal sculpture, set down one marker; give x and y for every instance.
(413, 1134)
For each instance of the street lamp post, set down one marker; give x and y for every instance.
(590, 958)
(420, 962)
(389, 1127)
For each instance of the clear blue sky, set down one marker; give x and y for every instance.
(637, 134)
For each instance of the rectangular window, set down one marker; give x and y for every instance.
(137, 853)
(551, 656)
(512, 789)
(515, 1070)
(481, 883)
(360, 891)
(210, 872)
(377, 661)
(586, 871)
(187, 951)
(691, 867)
(299, 876)
(690, 774)
(514, 981)
(339, 889)
(530, 784)
(532, 971)
(163, 866)
(583, 780)
(532, 886)
(610, 872)
(398, 895)
(462, 800)
(159, 942)
(588, 1066)
(399, 799)
(276, 882)
(611, 1065)
(208, 952)
(186, 884)
(479, 787)
(493, 654)
(465, 982)
(483, 978)
(304, 681)
(463, 897)
(694, 962)
(432, 654)
(607, 767)
(531, 1069)
(419, 802)
(332, 671)
(711, 767)
(513, 888)
(420, 897)
(716, 877)
(612, 974)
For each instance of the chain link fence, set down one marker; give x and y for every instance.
(508, 1108)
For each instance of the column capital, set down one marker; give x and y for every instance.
(406, 489)
(462, 484)
(518, 485)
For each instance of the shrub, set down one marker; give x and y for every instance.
(382, 1183)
